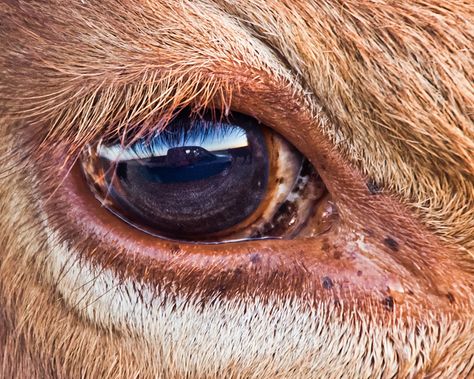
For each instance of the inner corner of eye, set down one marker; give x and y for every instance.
(207, 181)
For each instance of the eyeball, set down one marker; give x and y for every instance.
(207, 179)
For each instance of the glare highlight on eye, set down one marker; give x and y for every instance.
(213, 140)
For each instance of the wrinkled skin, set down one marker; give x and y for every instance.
(377, 95)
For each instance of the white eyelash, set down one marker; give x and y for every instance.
(117, 153)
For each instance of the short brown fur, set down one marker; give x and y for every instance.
(388, 84)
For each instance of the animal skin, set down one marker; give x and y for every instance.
(378, 95)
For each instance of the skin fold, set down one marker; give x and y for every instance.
(377, 95)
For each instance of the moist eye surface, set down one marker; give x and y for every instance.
(190, 180)
(204, 180)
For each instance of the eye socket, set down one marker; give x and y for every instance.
(206, 179)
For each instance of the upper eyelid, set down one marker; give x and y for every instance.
(143, 105)
(82, 110)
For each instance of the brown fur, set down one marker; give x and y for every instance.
(388, 85)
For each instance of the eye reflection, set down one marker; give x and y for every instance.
(202, 180)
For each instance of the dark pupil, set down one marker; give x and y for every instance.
(199, 178)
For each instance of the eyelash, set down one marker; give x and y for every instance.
(78, 115)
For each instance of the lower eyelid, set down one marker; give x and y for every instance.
(291, 268)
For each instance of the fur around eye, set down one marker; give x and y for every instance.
(373, 97)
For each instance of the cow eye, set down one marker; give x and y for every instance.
(206, 179)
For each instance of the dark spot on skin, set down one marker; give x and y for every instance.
(325, 245)
(255, 258)
(450, 297)
(221, 288)
(175, 249)
(410, 292)
(369, 232)
(337, 254)
(391, 244)
(388, 303)
(359, 273)
(327, 283)
(373, 187)
(238, 272)
(280, 180)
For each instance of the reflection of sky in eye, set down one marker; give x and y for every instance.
(211, 140)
